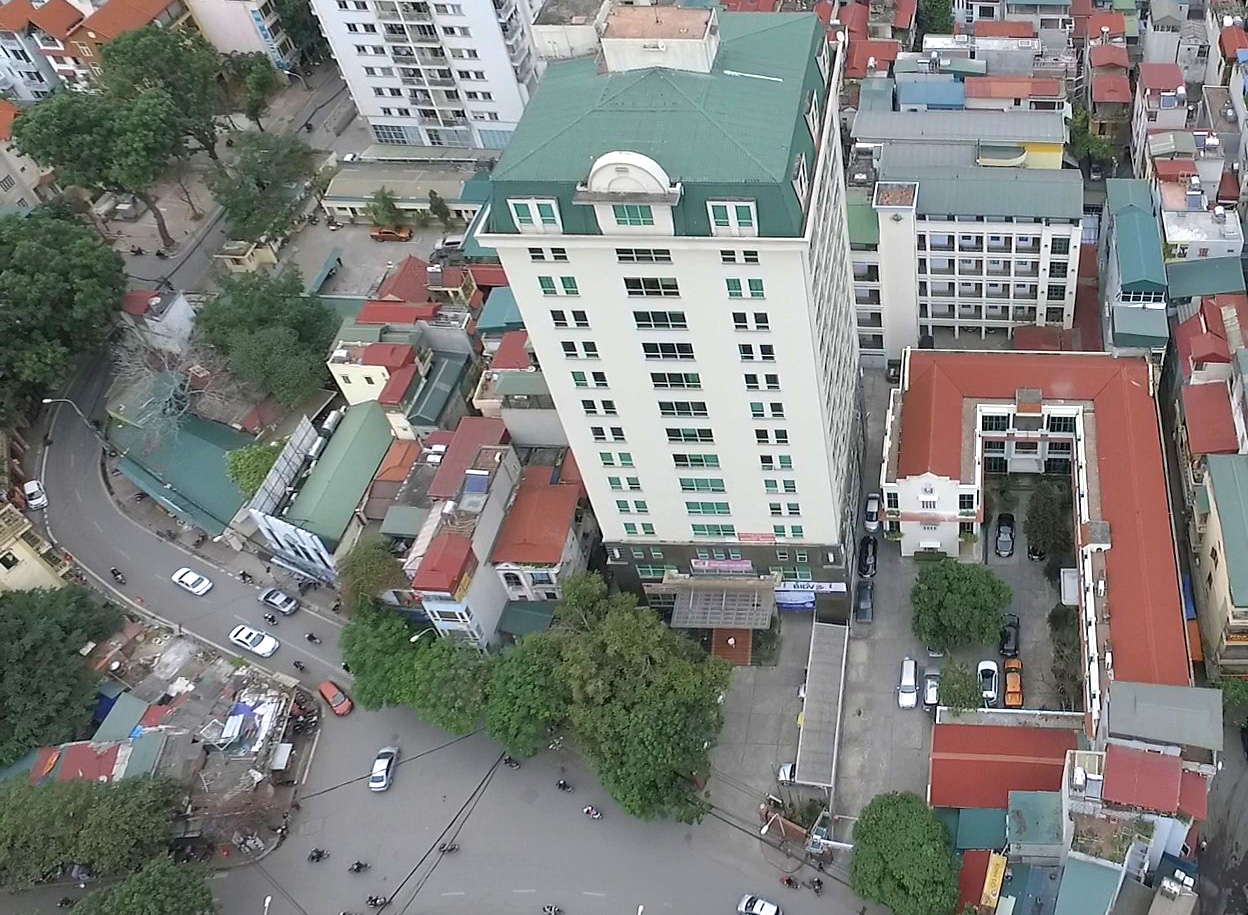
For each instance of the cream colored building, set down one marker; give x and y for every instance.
(27, 561)
(1220, 578)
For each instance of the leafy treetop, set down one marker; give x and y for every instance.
(369, 570)
(248, 467)
(902, 859)
(261, 191)
(160, 888)
(958, 603)
(959, 689)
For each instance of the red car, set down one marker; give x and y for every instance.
(338, 701)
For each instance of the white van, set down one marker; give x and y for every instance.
(908, 688)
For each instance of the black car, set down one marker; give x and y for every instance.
(1005, 534)
(867, 547)
(864, 601)
(1009, 636)
(1034, 553)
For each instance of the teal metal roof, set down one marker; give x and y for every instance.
(1137, 240)
(121, 720)
(185, 472)
(521, 617)
(404, 520)
(523, 383)
(1086, 887)
(471, 247)
(1145, 327)
(1035, 818)
(980, 828)
(875, 94)
(1228, 474)
(1204, 276)
(978, 191)
(144, 754)
(1121, 193)
(333, 490)
(863, 221)
(500, 313)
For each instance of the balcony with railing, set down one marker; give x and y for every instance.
(1027, 246)
(1000, 270)
(971, 243)
(970, 267)
(999, 246)
(867, 273)
(1032, 270)
(940, 243)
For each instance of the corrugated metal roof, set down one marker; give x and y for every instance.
(1086, 887)
(1228, 475)
(1137, 240)
(1135, 326)
(1204, 276)
(947, 94)
(1035, 818)
(864, 222)
(980, 828)
(1011, 126)
(721, 126)
(902, 154)
(979, 765)
(978, 191)
(875, 94)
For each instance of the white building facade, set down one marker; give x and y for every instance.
(434, 74)
(691, 309)
(245, 27)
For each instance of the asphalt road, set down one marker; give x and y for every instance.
(1223, 881)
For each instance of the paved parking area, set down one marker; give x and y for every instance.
(364, 261)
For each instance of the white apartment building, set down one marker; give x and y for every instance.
(245, 27)
(951, 250)
(434, 74)
(682, 270)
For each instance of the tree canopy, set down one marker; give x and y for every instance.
(1049, 519)
(959, 689)
(110, 828)
(935, 17)
(272, 334)
(376, 645)
(248, 467)
(260, 81)
(60, 287)
(48, 691)
(383, 209)
(529, 697)
(902, 859)
(957, 604)
(369, 570)
(302, 29)
(261, 190)
(1086, 144)
(160, 888)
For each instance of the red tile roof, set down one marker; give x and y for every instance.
(1228, 189)
(861, 52)
(1019, 87)
(825, 10)
(1161, 77)
(440, 437)
(1137, 778)
(979, 765)
(536, 527)
(1232, 40)
(1148, 636)
(398, 461)
(447, 560)
(8, 114)
(1115, 22)
(375, 312)
(1174, 169)
(397, 386)
(904, 12)
(138, 302)
(409, 283)
(56, 17)
(1207, 417)
(392, 356)
(971, 878)
(472, 433)
(1194, 795)
(116, 17)
(1108, 87)
(488, 275)
(854, 18)
(1109, 55)
(1202, 337)
(751, 6)
(1004, 28)
(513, 351)
(85, 762)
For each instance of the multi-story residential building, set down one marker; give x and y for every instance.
(1160, 104)
(961, 249)
(649, 246)
(27, 561)
(77, 59)
(1132, 270)
(1172, 37)
(1192, 226)
(28, 35)
(1220, 578)
(434, 74)
(24, 184)
(514, 390)
(1108, 89)
(1224, 30)
(245, 27)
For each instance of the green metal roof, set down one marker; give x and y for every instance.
(1086, 887)
(978, 191)
(121, 720)
(404, 520)
(1135, 326)
(1229, 475)
(736, 131)
(144, 754)
(522, 383)
(501, 313)
(864, 222)
(1121, 193)
(446, 371)
(333, 490)
(185, 472)
(360, 333)
(1137, 240)
(521, 617)
(1035, 818)
(980, 828)
(1204, 276)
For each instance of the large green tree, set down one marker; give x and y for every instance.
(1049, 519)
(111, 828)
(369, 570)
(383, 209)
(272, 334)
(447, 683)
(302, 29)
(262, 189)
(377, 646)
(935, 17)
(160, 888)
(957, 604)
(902, 857)
(248, 467)
(1087, 145)
(182, 63)
(959, 690)
(60, 288)
(47, 691)
(529, 697)
(96, 140)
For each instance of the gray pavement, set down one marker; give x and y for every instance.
(1223, 878)
(364, 261)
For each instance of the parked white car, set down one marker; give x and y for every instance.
(908, 688)
(197, 584)
(989, 681)
(871, 514)
(36, 495)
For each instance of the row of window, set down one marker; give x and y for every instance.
(747, 352)
(767, 462)
(538, 215)
(1054, 422)
(648, 571)
(658, 320)
(663, 287)
(638, 255)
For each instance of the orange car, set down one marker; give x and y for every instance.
(1013, 683)
(380, 233)
(339, 702)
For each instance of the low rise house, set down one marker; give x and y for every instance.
(353, 187)
(27, 561)
(1132, 270)
(1171, 36)
(164, 320)
(513, 389)
(1160, 103)
(77, 60)
(1221, 573)
(24, 184)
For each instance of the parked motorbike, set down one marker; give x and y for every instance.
(376, 902)
(791, 883)
(447, 847)
(592, 812)
(551, 910)
(510, 763)
(317, 854)
(358, 867)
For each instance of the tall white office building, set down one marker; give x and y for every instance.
(434, 74)
(671, 216)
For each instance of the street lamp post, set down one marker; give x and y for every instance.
(417, 637)
(94, 431)
(268, 901)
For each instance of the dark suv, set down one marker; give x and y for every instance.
(1005, 534)
(867, 548)
(1009, 636)
(864, 601)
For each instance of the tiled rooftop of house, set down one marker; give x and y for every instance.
(979, 765)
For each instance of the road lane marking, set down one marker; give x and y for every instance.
(524, 891)
(311, 753)
(587, 893)
(453, 894)
(101, 530)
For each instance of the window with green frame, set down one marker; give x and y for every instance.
(734, 288)
(569, 285)
(697, 484)
(722, 531)
(756, 288)
(708, 508)
(633, 214)
(548, 285)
